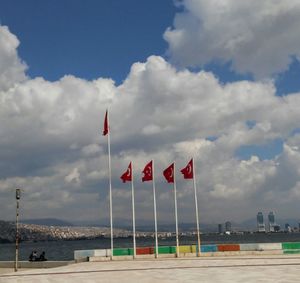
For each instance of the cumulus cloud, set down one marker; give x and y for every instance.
(11, 67)
(52, 147)
(257, 37)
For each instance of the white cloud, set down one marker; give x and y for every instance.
(51, 143)
(11, 67)
(73, 176)
(258, 37)
(151, 129)
(91, 149)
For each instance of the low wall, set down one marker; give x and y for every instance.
(190, 250)
(34, 264)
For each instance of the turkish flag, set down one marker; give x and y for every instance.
(148, 172)
(127, 176)
(188, 172)
(169, 173)
(105, 128)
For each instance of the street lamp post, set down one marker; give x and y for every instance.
(18, 195)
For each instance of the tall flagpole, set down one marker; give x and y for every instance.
(18, 194)
(133, 213)
(155, 217)
(196, 207)
(110, 193)
(176, 217)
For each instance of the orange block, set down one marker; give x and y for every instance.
(229, 248)
(144, 251)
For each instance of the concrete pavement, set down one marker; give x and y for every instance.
(280, 268)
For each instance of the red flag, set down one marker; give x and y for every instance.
(148, 172)
(169, 173)
(127, 176)
(188, 172)
(105, 128)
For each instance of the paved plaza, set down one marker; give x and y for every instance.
(284, 268)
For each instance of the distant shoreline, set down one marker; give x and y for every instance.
(206, 237)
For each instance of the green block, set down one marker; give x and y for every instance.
(291, 251)
(120, 252)
(166, 250)
(172, 250)
(291, 246)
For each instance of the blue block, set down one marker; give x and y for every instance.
(209, 248)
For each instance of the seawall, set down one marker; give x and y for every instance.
(212, 250)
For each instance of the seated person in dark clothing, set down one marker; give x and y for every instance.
(33, 256)
(42, 257)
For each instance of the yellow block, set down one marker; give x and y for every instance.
(194, 248)
(185, 249)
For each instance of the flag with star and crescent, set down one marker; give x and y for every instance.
(127, 175)
(169, 173)
(148, 172)
(188, 172)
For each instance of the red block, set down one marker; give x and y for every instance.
(228, 248)
(144, 251)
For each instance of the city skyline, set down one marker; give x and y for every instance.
(182, 79)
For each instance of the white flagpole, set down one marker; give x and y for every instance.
(110, 191)
(155, 217)
(133, 213)
(176, 217)
(196, 207)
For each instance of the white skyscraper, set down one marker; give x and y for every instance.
(271, 219)
(260, 222)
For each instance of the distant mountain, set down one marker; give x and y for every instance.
(47, 222)
(183, 227)
(34, 232)
(148, 226)
(82, 223)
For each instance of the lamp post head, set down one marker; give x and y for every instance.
(18, 194)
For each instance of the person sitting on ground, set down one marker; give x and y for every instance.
(42, 257)
(33, 256)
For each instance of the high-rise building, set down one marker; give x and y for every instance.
(228, 226)
(260, 222)
(271, 219)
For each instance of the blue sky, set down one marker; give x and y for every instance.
(92, 39)
(88, 39)
(214, 80)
